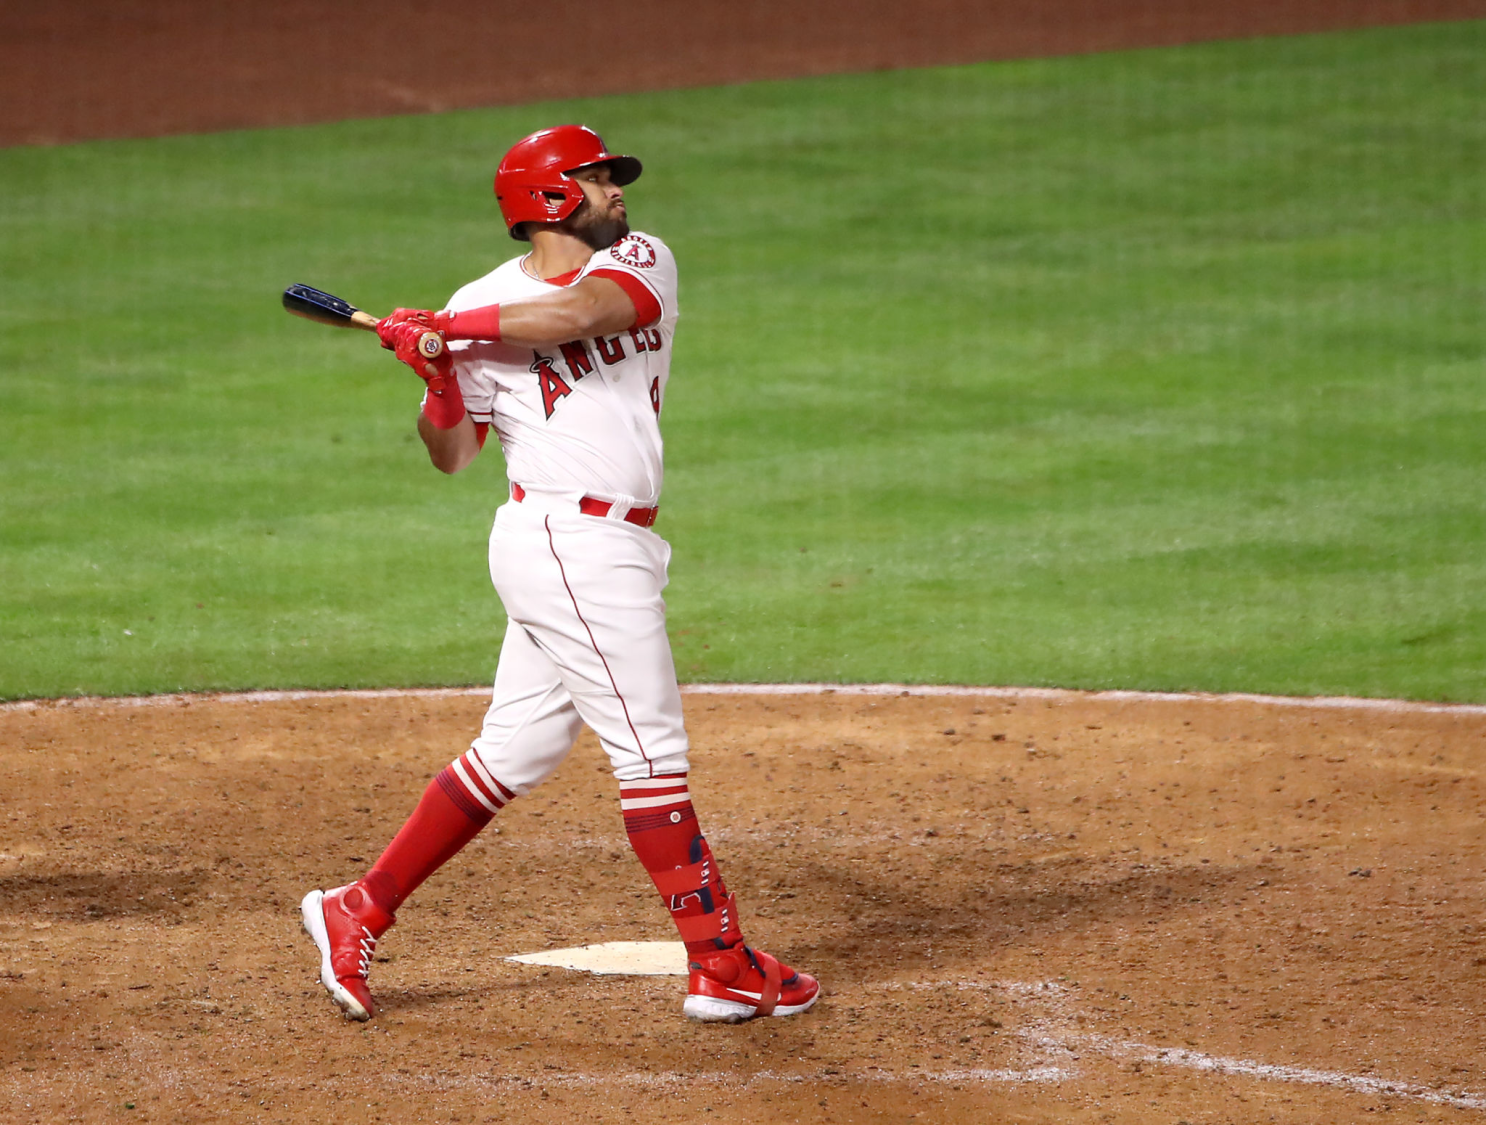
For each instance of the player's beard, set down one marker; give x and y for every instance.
(599, 231)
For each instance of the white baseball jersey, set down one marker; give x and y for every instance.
(581, 417)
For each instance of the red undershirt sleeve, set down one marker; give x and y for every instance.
(647, 307)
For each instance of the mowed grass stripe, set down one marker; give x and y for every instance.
(1154, 370)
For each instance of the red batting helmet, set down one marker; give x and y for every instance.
(531, 184)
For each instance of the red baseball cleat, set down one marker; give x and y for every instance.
(345, 924)
(733, 985)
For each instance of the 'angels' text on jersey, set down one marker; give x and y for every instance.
(578, 362)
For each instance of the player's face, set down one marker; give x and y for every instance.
(601, 219)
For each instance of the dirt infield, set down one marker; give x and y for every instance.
(76, 69)
(1065, 909)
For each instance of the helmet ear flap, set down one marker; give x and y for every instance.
(546, 203)
(558, 202)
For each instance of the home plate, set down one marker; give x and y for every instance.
(627, 958)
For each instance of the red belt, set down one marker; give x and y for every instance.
(593, 506)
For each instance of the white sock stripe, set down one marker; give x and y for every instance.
(653, 783)
(482, 773)
(478, 775)
(678, 799)
(458, 765)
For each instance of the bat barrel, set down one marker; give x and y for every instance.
(316, 304)
(327, 308)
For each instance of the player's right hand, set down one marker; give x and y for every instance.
(389, 324)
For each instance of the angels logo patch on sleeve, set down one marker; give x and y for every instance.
(634, 251)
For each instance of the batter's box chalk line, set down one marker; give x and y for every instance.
(1048, 1031)
(1056, 695)
(1215, 1064)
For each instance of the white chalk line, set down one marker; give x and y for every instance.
(1217, 1064)
(1054, 695)
(1049, 1029)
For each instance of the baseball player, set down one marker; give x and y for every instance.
(565, 352)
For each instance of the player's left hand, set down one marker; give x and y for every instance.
(405, 338)
(443, 405)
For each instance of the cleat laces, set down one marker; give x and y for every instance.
(367, 945)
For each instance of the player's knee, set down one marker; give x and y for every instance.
(517, 773)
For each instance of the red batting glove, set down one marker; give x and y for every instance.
(387, 325)
(443, 405)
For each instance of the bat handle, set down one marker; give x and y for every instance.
(430, 344)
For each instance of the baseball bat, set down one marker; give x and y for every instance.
(326, 308)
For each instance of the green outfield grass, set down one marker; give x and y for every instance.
(1159, 370)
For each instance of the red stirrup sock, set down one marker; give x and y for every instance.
(459, 802)
(663, 830)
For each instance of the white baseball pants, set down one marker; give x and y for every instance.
(585, 643)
